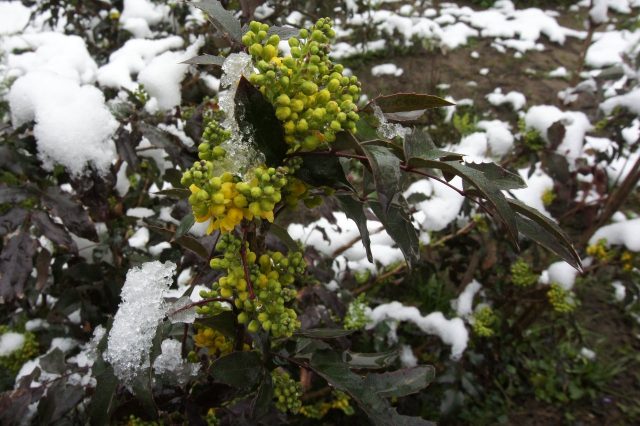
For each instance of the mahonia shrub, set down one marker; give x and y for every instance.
(264, 342)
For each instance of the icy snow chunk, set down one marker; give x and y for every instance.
(625, 233)
(599, 9)
(537, 185)
(631, 134)
(140, 239)
(178, 313)
(407, 358)
(140, 212)
(588, 354)
(138, 15)
(453, 36)
(516, 99)
(65, 344)
(13, 17)
(63, 55)
(132, 58)
(630, 101)
(609, 48)
(442, 207)
(162, 76)
(171, 365)
(464, 303)
(451, 331)
(560, 72)
(386, 129)
(386, 69)
(73, 126)
(620, 291)
(141, 310)
(499, 136)
(157, 249)
(241, 153)
(561, 273)
(10, 342)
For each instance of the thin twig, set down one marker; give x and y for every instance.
(200, 303)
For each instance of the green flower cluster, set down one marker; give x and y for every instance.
(271, 277)
(14, 361)
(224, 198)
(286, 391)
(483, 319)
(522, 275)
(312, 96)
(563, 301)
(356, 317)
(340, 401)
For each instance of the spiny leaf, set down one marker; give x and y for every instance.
(500, 177)
(185, 241)
(486, 188)
(205, 60)
(16, 262)
(398, 225)
(401, 102)
(185, 224)
(74, 217)
(385, 167)
(324, 333)
(319, 170)
(238, 369)
(370, 360)
(401, 383)
(283, 236)
(53, 231)
(354, 209)
(260, 126)
(178, 193)
(545, 232)
(418, 144)
(221, 18)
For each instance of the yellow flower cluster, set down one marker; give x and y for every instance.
(318, 410)
(214, 341)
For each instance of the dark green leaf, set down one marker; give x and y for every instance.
(53, 231)
(161, 139)
(398, 225)
(370, 360)
(345, 141)
(185, 241)
(224, 322)
(173, 176)
(545, 232)
(103, 398)
(73, 215)
(222, 19)
(500, 177)
(185, 224)
(178, 193)
(11, 220)
(53, 362)
(205, 60)
(285, 33)
(318, 170)
(401, 102)
(305, 348)
(238, 369)
(60, 399)
(385, 167)
(354, 209)
(143, 392)
(260, 126)
(365, 130)
(400, 383)
(486, 187)
(418, 144)
(12, 195)
(329, 366)
(263, 400)
(324, 333)
(16, 262)
(283, 236)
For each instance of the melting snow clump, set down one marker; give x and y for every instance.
(171, 365)
(141, 310)
(451, 331)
